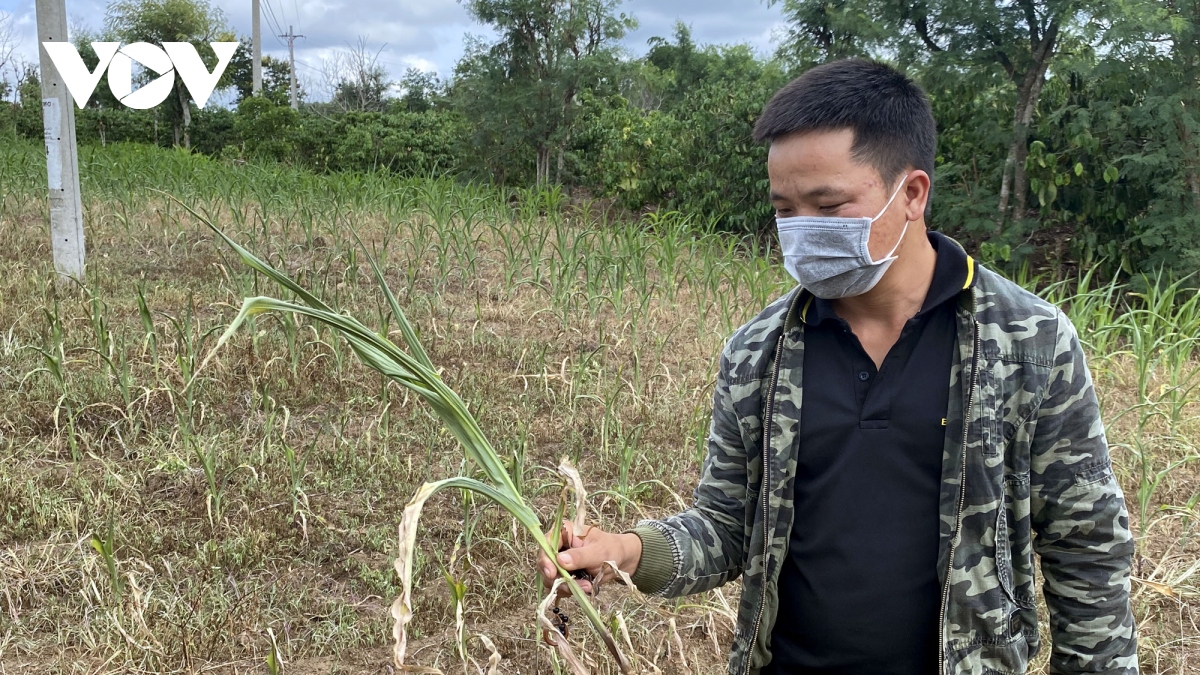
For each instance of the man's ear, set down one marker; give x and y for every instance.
(916, 194)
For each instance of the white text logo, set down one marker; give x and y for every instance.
(118, 61)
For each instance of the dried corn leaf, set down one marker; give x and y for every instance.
(580, 520)
(556, 639)
(1165, 589)
(494, 659)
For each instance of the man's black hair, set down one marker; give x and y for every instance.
(889, 114)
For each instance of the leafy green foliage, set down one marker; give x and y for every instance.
(422, 90)
(268, 128)
(404, 142)
(520, 93)
(700, 157)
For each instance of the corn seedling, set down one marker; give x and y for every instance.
(414, 371)
(297, 465)
(458, 592)
(208, 463)
(274, 660)
(106, 548)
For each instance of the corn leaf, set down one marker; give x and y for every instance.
(412, 369)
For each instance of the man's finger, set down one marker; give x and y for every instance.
(589, 558)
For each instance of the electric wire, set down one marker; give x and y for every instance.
(273, 23)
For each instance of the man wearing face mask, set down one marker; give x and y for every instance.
(893, 441)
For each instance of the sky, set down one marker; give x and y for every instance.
(424, 34)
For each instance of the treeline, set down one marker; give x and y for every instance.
(1068, 129)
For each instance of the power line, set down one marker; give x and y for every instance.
(273, 22)
(275, 29)
(271, 16)
(282, 17)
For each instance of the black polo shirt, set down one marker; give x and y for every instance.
(858, 590)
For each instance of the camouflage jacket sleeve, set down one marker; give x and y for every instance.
(702, 547)
(1080, 523)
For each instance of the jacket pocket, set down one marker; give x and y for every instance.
(991, 657)
(1014, 543)
(1005, 659)
(1012, 388)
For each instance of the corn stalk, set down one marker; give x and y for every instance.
(413, 370)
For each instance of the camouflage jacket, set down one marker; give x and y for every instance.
(1030, 473)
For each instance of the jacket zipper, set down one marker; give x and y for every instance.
(962, 498)
(766, 486)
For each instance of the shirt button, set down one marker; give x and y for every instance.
(864, 376)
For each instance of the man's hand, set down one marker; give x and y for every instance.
(589, 553)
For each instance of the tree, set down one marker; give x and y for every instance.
(276, 84)
(681, 59)
(823, 30)
(28, 118)
(526, 84)
(158, 21)
(356, 78)
(82, 37)
(8, 47)
(1022, 37)
(1131, 123)
(422, 90)
(696, 153)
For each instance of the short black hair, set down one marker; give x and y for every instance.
(889, 114)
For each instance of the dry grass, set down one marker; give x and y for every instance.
(267, 496)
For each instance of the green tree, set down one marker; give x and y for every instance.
(366, 91)
(828, 29)
(267, 127)
(1115, 158)
(158, 21)
(683, 61)
(276, 77)
(695, 153)
(422, 90)
(1021, 37)
(82, 37)
(522, 90)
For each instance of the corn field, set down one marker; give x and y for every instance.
(170, 507)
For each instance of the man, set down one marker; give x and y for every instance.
(892, 441)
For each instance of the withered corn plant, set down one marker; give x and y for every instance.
(413, 370)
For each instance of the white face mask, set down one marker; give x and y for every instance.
(829, 255)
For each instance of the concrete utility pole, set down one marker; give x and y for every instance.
(256, 32)
(62, 159)
(291, 38)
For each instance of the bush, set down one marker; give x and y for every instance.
(213, 129)
(408, 143)
(700, 159)
(265, 129)
(118, 125)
